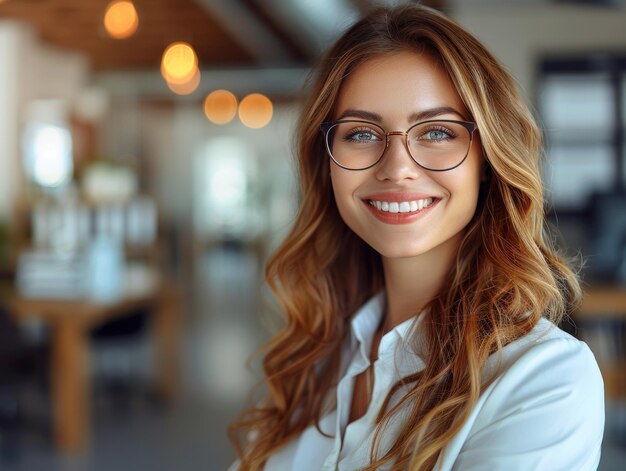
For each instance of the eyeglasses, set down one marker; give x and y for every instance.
(437, 145)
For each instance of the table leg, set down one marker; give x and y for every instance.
(70, 387)
(167, 332)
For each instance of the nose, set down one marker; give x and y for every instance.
(396, 164)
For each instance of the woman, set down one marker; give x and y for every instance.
(419, 290)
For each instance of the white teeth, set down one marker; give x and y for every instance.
(402, 206)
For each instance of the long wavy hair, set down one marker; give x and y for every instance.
(505, 278)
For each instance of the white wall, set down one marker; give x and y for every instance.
(49, 72)
(29, 70)
(9, 60)
(173, 139)
(169, 134)
(518, 35)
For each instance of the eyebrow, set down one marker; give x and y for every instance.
(414, 117)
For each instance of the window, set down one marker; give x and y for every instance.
(582, 103)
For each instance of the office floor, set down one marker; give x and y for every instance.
(223, 329)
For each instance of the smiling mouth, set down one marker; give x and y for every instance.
(413, 206)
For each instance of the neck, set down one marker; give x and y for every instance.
(412, 282)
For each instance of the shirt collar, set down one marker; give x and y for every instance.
(367, 319)
(365, 322)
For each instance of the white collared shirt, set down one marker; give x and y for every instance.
(544, 412)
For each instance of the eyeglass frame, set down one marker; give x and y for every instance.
(328, 125)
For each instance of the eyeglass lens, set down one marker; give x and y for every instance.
(436, 145)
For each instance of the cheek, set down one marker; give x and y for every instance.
(472, 191)
(344, 185)
(460, 182)
(463, 188)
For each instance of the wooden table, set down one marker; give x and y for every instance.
(606, 301)
(606, 304)
(71, 323)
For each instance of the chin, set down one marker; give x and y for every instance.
(390, 251)
(400, 254)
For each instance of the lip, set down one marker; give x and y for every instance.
(399, 218)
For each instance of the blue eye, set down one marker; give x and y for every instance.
(436, 135)
(365, 135)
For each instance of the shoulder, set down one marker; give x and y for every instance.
(546, 403)
(548, 363)
(548, 355)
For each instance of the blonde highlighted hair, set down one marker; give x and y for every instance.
(505, 278)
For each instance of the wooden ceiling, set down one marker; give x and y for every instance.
(78, 25)
(224, 33)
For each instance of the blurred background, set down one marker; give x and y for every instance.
(146, 158)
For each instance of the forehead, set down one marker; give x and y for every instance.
(398, 85)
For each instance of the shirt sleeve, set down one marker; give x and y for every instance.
(546, 412)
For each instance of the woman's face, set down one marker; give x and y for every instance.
(394, 91)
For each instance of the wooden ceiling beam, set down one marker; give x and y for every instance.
(249, 31)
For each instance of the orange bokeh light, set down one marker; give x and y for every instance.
(179, 63)
(220, 106)
(121, 19)
(255, 111)
(187, 87)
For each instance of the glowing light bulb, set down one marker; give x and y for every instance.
(179, 63)
(220, 106)
(255, 111)
(121, 19)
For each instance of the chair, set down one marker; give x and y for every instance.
(115, 344)
(23, 369)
